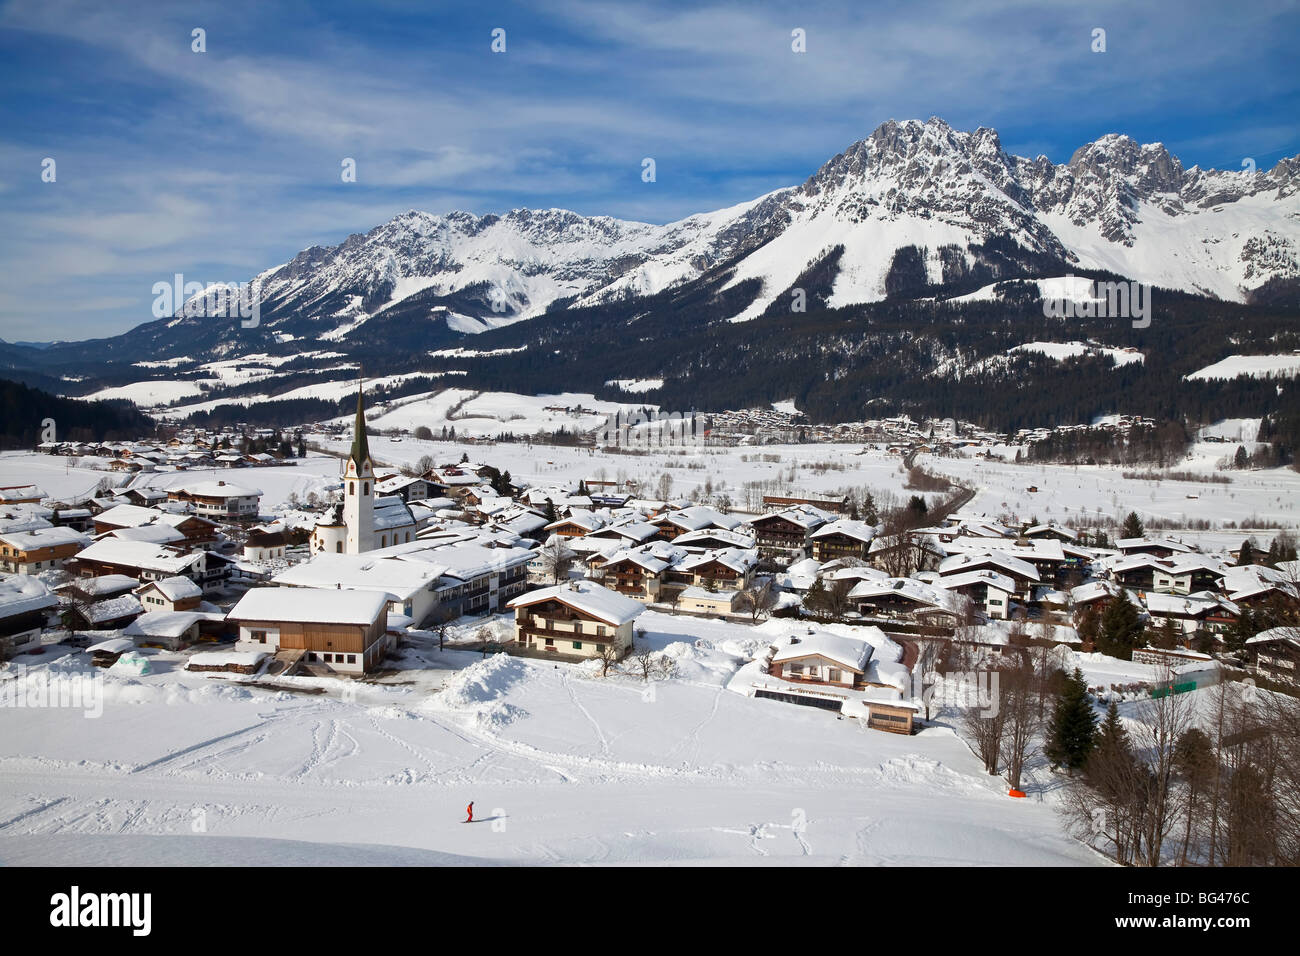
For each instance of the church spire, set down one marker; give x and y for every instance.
(360, 446)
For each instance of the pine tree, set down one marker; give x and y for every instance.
(1121, 628)
(1132, 526)
(1072, 729)
(549, 511)
(869, 514)
(1247, 554)
(815, 600)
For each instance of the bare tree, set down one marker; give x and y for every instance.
(556, 558)
(929, 652)
(608, 655)
(758, 599)
(1016, 695)
(984, 723)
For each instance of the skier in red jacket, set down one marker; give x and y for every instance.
(469, 812)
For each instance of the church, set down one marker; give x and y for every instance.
(362, 521)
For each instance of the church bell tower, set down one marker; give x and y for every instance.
(359, 488)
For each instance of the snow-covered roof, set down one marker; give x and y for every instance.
(737, 559)
(35, 538)
(983, 576)
(363, 572)
(858, 530)
(714, 536)
(162, 624)
(218, 489)
(139, 554)
(309, 606)
(175, 588)
(589, 598)
(22, 594)
(114, 645)
(849, 652)
(961, 563)
(111, 609)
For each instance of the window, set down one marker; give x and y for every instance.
(600, 648)
(352, 487)
(550, 642)
(352, 658)
(835, 675)
(365, 488)
(338, 546)
(577, 645)
(258, 636)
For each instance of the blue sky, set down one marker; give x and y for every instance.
(220, 164)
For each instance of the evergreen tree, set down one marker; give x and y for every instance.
(1121, 628)
(815, 600)
(1241, 459)
(1072, 729)
(917, 507)
(1247, 554)
(549, 511)
(1132, 526)
(869, 514)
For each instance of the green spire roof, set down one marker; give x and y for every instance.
(360, 446)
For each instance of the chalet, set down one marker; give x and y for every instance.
(25, 603)
(729, 569)
(626, 533)
(143, 497)
(990, 591)
(1191, 612)
(39, 549)
(344, 631)
(842, 538)
(177, 593)
(219, 500)
(681, 521)
(1160, 548)
(194, 531)
(638, 572)
(788, 532)
(1275, 654)
(577, 620)
(578, 524)
(837, 506)
(106, 653)
(1186, 574)
(1022, 573)
(822, 658)
(266, 544)
(907, 598)
(711, 539)
(20, 494)
(150, 562)
(1064, 535)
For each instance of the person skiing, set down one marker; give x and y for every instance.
(469, 812)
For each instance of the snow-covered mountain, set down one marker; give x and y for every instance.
(953, 201)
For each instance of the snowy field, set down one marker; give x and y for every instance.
(563, 767)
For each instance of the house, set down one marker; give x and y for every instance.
(21, 494)
(779, 503)
(842, 538)
(150, 562)
(1156, 547)
(1275, 654)
(25, 604)
(577, 620)
(177, 593)
(172, 630)
(193, 531)
(1191, 612)
(411, 587)
(788, 533)
(1022, 574)
(343, 630)
(990, 591)
(908, 598)
(219, 500)
(694, 518)
(822, 658)
(730, 569)
(107, 615)
(39, 549)
(266, 544)
(700, 600)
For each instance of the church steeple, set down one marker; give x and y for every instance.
(360, 445)
(359, 483)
